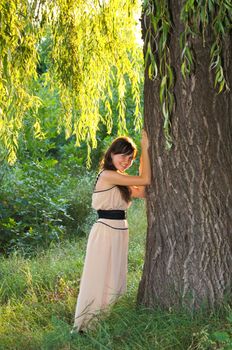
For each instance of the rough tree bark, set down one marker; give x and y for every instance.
(189, 240)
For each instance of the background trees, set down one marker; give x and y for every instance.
(70, 74)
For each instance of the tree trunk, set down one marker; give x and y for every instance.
(189, 240)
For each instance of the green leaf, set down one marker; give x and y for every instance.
(229, 318)
(148, 53)
(170, 76)
(221, 336)
(163, 86)
(183, 69)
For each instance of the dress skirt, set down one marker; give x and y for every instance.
(105, 270)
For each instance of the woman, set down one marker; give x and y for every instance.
(105, 269)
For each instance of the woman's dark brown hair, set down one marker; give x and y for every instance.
(121, 145)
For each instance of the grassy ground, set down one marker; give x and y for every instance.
(38, 298)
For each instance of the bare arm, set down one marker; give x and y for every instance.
(138, 191)
(115, 178)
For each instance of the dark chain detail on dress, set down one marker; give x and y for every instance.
(94, 187)
(104, 190)
(115, 228)
(98, 175)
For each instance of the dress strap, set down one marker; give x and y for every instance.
(98, 175)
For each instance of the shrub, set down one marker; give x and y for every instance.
(42, 202)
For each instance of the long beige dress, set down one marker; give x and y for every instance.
(105, 269)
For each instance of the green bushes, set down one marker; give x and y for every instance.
(43, 202)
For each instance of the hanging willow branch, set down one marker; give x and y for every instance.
(158, 59)
(18, 61)
(94, 51)
(93, 48)
(197, 17)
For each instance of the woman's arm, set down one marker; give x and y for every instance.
(115, 178)
(138, 191)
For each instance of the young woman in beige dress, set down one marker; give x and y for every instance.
(104, 275)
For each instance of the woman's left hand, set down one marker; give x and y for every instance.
(144, 140)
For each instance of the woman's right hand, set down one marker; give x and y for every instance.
(144, 140)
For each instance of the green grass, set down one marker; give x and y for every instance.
(38, 298)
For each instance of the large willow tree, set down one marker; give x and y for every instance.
(188, 116)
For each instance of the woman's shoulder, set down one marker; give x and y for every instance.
(112, 175)
(107, 176)
(105, 173)
(102, 180)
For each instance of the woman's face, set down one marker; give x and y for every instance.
(122, 161)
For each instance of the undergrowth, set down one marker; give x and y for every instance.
(38, 297)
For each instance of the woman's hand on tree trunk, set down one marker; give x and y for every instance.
(144, 140)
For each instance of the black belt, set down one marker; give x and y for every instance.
(112, 214)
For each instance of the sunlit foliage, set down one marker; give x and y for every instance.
(18, 59)
(93, 45)
(93, 48)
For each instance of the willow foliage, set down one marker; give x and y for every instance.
(94, 45)
(18, 58)
(198, 18)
